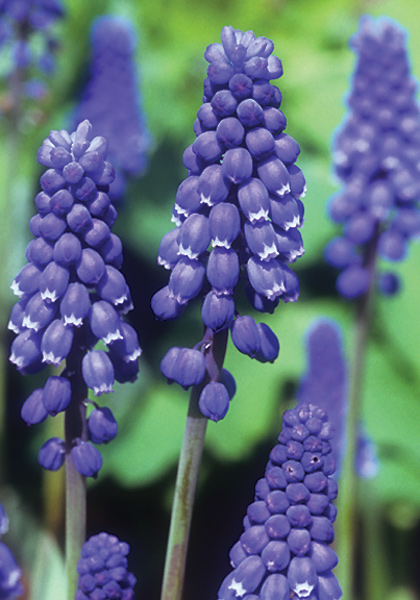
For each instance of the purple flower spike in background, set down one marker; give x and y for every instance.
(111, 100)
(376, 155)
(238, 211)
(73, 295)
(102, 570)
(284, 550)
(10, 573)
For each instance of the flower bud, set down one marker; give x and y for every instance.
(86, 458)
(102, 426)
(52, 454)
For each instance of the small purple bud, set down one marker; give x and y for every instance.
(323, 557)
(328, 587)
(224, 224)
(208, 147)
(42, 203)
(97, 234)
(39, 252)
(392, 245)
(253, 200)
(286, 212)
(259, 142)
(254, 539)
(276, 556)
(341, 252)
(185, 366)
(214, 401)
(230, 132)
(186, 279)
(258, 512)
(27, 281)
(240, 85)
(90, 267)
(61, 202)
(217, 311)
(79, 219)
(245, 335)
(17, 314)
(57, 394)
(237, 165)
(359, 227)
(250, 113)
(73, 172)
(237, 554)
(165, 306)
(98, 372)
(99, 204)
(111, 251)
(302, 576)
(52, 227)
(67, 250)
(33, 410)
(275, 587)
(274, 120)
(56, 342)
(87, 459)
(187, 199)
(269, 344)
(224, 103)
(52, 454)
(289, 243)
(54, 282)
(322, 530)
(102, 426)
(229, 382)
(277, 526)
(75, 304)
(51, 181)
(286, 148)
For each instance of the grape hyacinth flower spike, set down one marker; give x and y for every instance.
(102, 569)
(285, 550)
(237, 215)
(72, 295)
(10, 573)
(111, 99)
(376, 156)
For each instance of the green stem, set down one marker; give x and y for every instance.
(188, 470)
(347, 526)
(75, 427)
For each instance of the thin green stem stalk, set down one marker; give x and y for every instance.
(187, 476)
(347, 525)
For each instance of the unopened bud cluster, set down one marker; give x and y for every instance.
(377, 157)
(102, 570)
(284, 551)
(73, 294)
(238, 212)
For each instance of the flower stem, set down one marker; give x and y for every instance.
(75, 427)
(347, 526)
(188, 470)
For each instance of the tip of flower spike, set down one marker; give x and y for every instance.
(115, 33)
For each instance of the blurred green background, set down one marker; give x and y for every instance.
(132, 495)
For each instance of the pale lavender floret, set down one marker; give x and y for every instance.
(57, 394)
(56, 342)
(245, 335)
(75, 304)
(53, 281)
(214, 401)
(224, 224)
(102, 425)
(223, 270)
(52, 454)
(98, 371)
(90, 267)
(186, 279)
(218, 310)
(27, 281)
(38, 313)
(184, 365)
(86, 458)
(33, 410)
(105, 322)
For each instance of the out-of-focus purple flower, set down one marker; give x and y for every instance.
(103, 571)
(10, 573)
(72, 292)
(325, 384)
(238, 211)
(284, 550)
(111, 100)
(376, 156)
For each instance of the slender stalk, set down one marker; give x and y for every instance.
(347, 525)
(75, 427)
(188, 470)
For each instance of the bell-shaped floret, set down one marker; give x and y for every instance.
(33, 410)
(38, 313)
(289, 243)
(26, 349)
(302, 576)
(223, 270)
(323, 557)
(168, 249)
(27, 281)
(286, 148)
(214, 401)
(245, 335)
(113, 286)
(86, 458)
(274, 176)
(165, 306)
(75, 304)
(286, 212)
(102, 425)
(237, 165)
(56, 342)
(275, 587)
(224, 224)
(187, 199)
(98, 371)
(54, 281)
(124, 371)
(261, 239)
(266, 277)
(328, 587)
(57, 394)
(194, 236)
(245, 579)
(212, 187)
(269, 344)
(52, 454)
(67, 249)
(186, 279)
(253, 200)
(185, 366)
(127, 347)
(217, 311)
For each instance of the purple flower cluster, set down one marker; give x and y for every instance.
(284, 550)
(73, 294)
(111, 99)
(19, 22)
(376, 155)
(10, 573)
(103, 571)
(238, 211)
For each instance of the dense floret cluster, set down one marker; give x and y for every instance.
(102, 570)
(73, 294)
(26, 42)
(284, 550)
(238, 212)
(111, 100)
(376, 156)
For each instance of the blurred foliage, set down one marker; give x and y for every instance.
(312, 39)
